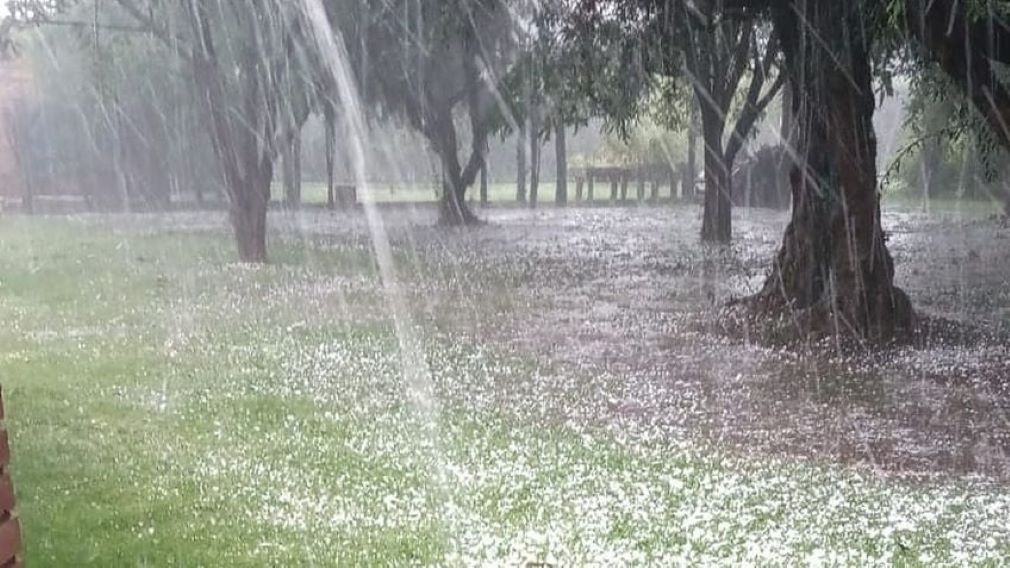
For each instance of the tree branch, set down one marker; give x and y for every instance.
(966, 50)
(755, 103)
(175, 42)
(739, 57)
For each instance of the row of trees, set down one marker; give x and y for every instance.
(456, 73)
(833, 270)
(461, 71)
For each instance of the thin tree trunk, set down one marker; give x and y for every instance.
(483, 184)
(15, 137)
(690, 173)
(787, 134)
(521, 164)
(534, 134)
(120, 159)
(928, 160)
(787, 121)
(561, 161)
(717, 222)
(292, 173)
(331, 148)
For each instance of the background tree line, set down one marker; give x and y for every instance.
(461, 72)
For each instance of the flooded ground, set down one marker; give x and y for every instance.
(621, 303)
(575, 404)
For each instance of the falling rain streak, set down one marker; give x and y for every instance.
(505, 282)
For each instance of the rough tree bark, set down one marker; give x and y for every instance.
(833, 272)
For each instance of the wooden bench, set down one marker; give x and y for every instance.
(10, 528)
(620, 177)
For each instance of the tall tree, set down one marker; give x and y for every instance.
(575, 64)
(834, 272)
(430, 62)
(249, 64)
(724, 55)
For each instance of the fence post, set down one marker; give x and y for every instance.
(10, 529)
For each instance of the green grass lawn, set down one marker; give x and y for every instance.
(168, 407)
(949, 207)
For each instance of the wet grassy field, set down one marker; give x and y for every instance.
(573, 404)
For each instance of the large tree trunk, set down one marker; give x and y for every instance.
(453, 207)
(717, 223)
(248, 212)
(833, 272)
(246, 156)
(561, 161)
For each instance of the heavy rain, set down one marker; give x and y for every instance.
(504, 283)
